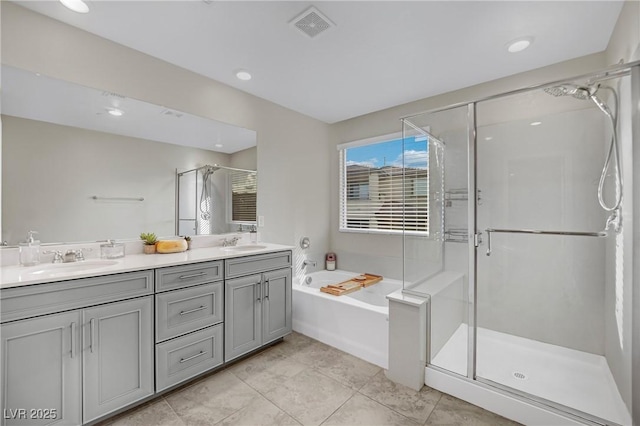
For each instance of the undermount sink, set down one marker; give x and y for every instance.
(53, 269)
(248, 247)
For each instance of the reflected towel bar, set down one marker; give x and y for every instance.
(533, 231)
(95, 197)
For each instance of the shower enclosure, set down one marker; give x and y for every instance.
(528, 262)
(215, 200)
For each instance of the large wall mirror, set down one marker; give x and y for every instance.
(83, 164)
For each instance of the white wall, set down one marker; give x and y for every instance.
(292, 148)
(245, 159)
(51, 171)
(384, 253)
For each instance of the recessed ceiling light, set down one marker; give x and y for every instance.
(115, 112)
(243, 75)
(218, 145)
(76, 5)
(519, 44)
(535, 123)
(488, 138)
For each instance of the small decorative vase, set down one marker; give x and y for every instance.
(149, 248)
(188, 245)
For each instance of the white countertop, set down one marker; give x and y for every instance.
(16, 276)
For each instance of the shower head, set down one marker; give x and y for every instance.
(579, 92)
(582, 93)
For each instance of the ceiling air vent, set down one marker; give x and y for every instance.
(312, 22)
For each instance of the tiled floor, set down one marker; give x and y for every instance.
(303, 381)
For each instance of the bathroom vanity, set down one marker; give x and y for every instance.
(79, 345)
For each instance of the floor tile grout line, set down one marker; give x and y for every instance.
(434, 408)
(268, 399)
(174, 411)
(341, 405)
(386, 406)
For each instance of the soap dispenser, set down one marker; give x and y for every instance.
(30, 250)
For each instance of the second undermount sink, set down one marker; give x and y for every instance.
(248, 247)
(54, 269)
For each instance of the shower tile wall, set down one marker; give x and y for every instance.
(545, 288)
(619, 264)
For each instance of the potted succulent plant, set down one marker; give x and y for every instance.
(188, 240)
(150, 241)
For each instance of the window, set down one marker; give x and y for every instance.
(244, 194)
(384, 186)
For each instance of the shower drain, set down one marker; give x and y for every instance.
(520, 376)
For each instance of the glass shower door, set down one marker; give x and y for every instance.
(437, 265)
(542, 269)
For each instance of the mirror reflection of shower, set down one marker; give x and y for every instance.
(215, 199)
(590, 92)
(205, 201)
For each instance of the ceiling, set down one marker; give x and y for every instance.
(378, 55)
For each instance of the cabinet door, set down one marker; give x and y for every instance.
(243, 322)
(118, 355)
(276, 305)
(41, 371)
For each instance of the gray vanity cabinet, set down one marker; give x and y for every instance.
(276, 305)
(243, 316)
(76, 348)
(117, 353)
(257, 301)
(189, 314)
(41, 371)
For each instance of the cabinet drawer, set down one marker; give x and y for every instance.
(183, 311)
(184, 357)
(40, 299)
(240, 266)
(189, 275)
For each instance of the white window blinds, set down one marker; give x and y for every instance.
(384, 187)
(244, 192)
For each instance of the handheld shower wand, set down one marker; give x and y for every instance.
(590, 92)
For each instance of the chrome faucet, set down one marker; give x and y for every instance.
(308, 262)
(57, 255)
(73, 256)
(230, 243)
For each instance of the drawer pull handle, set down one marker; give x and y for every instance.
(192, 357)
(73, 339)
(91, 331)
(266, 289)
(190, 311)
(186, 277)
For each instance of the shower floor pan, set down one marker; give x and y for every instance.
(576, 379)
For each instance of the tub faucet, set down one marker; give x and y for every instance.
(308, 262)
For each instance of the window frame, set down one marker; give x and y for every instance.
(229, 209)
(343, 189)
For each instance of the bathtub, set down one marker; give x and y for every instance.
(356, 323)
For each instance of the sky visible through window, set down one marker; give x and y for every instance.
(390, 154)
